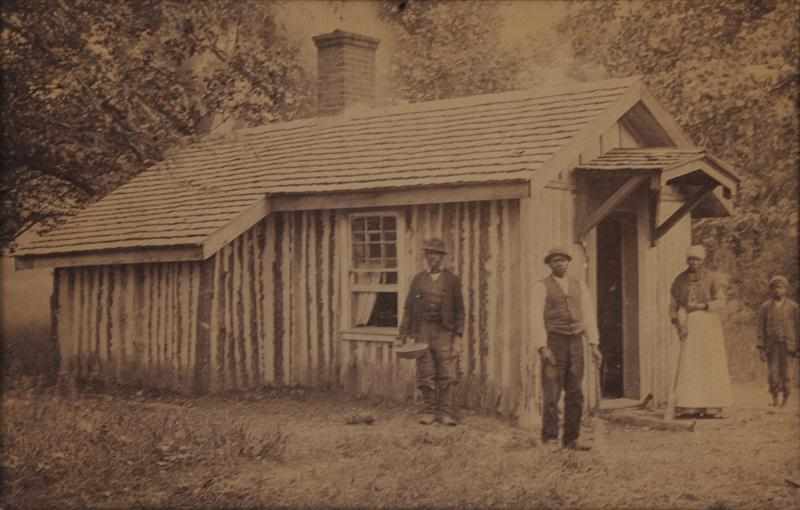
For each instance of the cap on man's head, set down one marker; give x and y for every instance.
(435, 245)
(696, 251)
(778, 280)
(557, 251)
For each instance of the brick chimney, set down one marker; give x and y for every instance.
(346, 71)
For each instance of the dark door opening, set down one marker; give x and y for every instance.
(610, 307)
(618, 305)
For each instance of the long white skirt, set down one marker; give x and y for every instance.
(703, 378)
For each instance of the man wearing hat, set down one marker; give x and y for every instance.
(778, 328)
(565, 314)
(703, 384)
(434, 315)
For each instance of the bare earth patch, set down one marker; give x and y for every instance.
(295, 449)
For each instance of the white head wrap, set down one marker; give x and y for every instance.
(697, 251)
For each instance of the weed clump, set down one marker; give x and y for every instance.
(58, 447)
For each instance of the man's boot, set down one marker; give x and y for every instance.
(427, 414)
(446, 415)
(784, 398)
(575, 445)
(774, 400)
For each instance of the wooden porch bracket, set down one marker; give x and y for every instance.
(616, 198)
(678, 215)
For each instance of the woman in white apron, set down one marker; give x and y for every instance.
(703, 384)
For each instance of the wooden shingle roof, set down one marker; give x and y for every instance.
(643, 159)
(204, 186)
(670, 162)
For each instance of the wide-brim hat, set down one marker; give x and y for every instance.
(435, 245)
(411, 351)
(558, 250)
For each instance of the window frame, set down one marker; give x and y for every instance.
(349, 331)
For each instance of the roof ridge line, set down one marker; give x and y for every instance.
(465, 101)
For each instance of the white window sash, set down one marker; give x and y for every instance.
(362, 306)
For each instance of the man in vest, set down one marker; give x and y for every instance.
(564, 315)
(434, 315)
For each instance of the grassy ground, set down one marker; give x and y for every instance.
(296, 449)
(293, 448)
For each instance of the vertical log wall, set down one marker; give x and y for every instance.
(265, 310)
(273, 315)
(132, 324)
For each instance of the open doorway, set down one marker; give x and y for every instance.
(617, 306)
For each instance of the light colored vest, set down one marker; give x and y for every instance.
(562, 312)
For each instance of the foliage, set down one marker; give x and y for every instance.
(449, 49)
(95, 91)
(729, 73)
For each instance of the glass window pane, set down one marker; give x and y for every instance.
(390, 277)
(375, 251)
(375, 309)
(358, 254)
(368, 278)
(374, 242)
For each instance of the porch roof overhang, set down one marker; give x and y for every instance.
(707, 183)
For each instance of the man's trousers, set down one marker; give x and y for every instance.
(566, 375)
(437, 369)
(777, 365)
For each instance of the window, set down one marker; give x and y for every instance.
(373, 272)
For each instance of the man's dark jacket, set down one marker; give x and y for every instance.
(452, 309)
(787, 321)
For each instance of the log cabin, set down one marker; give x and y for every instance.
(281, 255)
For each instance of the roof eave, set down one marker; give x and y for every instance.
(401, 196)
(137, 255)
(707, 165)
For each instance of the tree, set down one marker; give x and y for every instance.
(449, 49)
(729, 73)
(95, 91)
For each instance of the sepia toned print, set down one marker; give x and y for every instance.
(400, 253)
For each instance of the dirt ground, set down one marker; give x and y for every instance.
(296, 449)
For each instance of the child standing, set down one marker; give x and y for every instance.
(778, 328)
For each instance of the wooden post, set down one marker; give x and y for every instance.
(529, 412)
(202, 367)
(653, 206)
(268, 316)
(52, 373)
